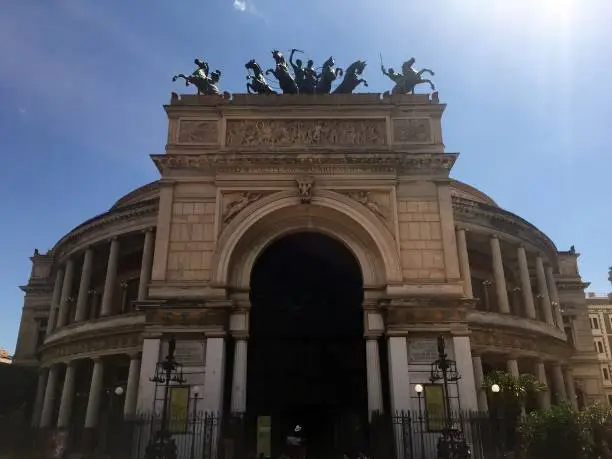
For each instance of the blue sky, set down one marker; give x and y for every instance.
(82, 83)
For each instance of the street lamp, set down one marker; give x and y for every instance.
(166, 371)
(119, 390)
(495, 388)
(196, 392)
(418, 388)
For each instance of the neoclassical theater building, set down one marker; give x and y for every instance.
(305, 252)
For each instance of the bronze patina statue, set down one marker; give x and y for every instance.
(408, 79)
(352, 78)
(281, 73)
(202, 79)
(327, 76)
(258, 83)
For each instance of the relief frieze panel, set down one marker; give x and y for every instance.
(411, 130)
(306, 132)
(201, 317)
(234, 203)
(377, 202)
(427, 310)
(496, 339)
(92, 346)
(198, 132)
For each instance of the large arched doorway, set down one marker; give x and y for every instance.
(306, 359)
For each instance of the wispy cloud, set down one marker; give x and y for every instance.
(240, 5)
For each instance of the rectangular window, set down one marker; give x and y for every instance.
(609, 399)
(600, 347)
(606, 374)
(594, 323)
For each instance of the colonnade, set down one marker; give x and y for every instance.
(49, 380)
(547, 295)
(561, 386)
(64, 279)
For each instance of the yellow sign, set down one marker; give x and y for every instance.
(264, 435)
(435, 410)
(178, 409)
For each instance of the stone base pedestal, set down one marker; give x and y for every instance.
(89, 440)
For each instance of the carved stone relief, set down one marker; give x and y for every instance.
(374, 201)
(198, 132)
(288, 133)
(411, 130)
(305, 185)
(116, 342)
(234, 203)
(212, 317)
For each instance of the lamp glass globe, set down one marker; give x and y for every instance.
(418, 388)
(118, 390)
(495, 388)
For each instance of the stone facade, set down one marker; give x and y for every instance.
(437, 257)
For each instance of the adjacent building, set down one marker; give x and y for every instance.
(304, 251)
(600, 320)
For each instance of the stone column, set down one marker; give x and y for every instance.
(513, 368)
(146, 388)
(83, 297)
(146, 264)
(47, 409)
(554, 296)
(543, 396)
(481, 391)
(500, 279)
(55, 300)
(464, 263)
(66, 291)
(65, 408)
(399, 382)
(570, 387)
(543, 291)
(212, 399)
(131, 391)
(111, 278)
(526, 283)
(95, 394)
(239, 377)
(40, 396)
(374, 383)
(466, 386)
(558, 383)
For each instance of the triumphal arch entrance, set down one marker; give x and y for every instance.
(308, 241)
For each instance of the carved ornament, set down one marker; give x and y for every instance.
(238, 203)
(366, 198)
(508, 342)
(313, 132)
(427, 310)
(198, 132)
(305, 185)
(411, 130)
(89, 346)
(200, 317)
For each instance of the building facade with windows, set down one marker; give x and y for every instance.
(305, 252)
(600, 320)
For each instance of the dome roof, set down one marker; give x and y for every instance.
(465, 191)
(143, 193)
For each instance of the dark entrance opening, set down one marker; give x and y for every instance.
(306, 355)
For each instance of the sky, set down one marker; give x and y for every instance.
(82, 84)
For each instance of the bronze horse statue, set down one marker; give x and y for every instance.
(327, 76)
(352, 78)
(408, 79)
(281, 73)
(257, 83)
(205, 83)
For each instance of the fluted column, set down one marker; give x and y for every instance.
(47, 410)
(83, 297)
(40, 396)
(55, 300)
(239, 376)
(543, 291)
(525, 283)
(554, 296)
(570, 387)
(111, 278)
(481, 392)
(374, 385)
(544, 395)
(65, 408)
(500, 279)
(558, 383)
(95, 394)
(464, 263)
(66, 291)
(146, 265)
(131, 391)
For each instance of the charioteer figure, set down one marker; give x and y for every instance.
(202, 79)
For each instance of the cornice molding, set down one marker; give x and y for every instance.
(319, 161)
(500, 220)
(128, 213)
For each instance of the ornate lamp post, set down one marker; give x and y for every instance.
(166, 371)
(451, 444)
(418, 388)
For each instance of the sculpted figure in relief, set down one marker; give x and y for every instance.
(238, 204)
(365, 198)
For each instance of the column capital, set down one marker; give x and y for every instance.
(372, 335)
(112, 239)
(461, 228)
(97, 359)
(240, 336)
(494, 236)
(134, 355)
